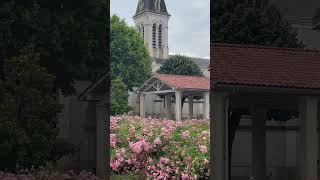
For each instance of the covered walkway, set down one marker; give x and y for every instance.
(174, 88)
(260, 79)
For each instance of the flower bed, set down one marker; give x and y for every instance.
(160, 149)
(43, 174)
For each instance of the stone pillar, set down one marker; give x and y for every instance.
(259, 116)
(308, 137)
(142, 105)
(219, 139)
(206, 105)
(318, 137)
(102, 156)
(137, 105)
(178, 94)
(190, 106)
(168, 105)
(148, 34)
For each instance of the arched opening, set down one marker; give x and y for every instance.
(142, 29)
(154, 35)
(160, 36)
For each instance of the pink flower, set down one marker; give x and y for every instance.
(132, 130)
(205, 133)
(184, 176)
(185, 134)
(206, 161)
(164, 160)
(140, 146)
(113, 140)
(129, 161)
(115, 165)
(157, 141)
(203, 149)
(135, 147)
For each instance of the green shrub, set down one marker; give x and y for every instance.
(119, 97)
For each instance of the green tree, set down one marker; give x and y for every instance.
(28, 112)
(69, 42)
(260, 23)
(129, 57)
(180, 65)
(68, 35)
(118, 97)
(239, 22)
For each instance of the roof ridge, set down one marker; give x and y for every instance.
(182, 75)
(265, 47)
(192, 57)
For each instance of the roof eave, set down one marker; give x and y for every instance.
(141, 12)
(238, 88)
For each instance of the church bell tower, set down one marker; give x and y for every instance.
(151, 20)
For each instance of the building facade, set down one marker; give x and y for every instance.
(152, 22)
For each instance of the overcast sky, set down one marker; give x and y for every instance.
(189, 24)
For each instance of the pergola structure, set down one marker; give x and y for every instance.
(96, 96)
(259, 79)
(176, 86)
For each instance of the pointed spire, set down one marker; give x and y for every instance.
(156, 6)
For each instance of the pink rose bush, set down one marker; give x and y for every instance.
(160, 148)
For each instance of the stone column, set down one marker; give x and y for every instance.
(168, 105)
(148, 34)
(219, 139)
(308, 137)
(142, 105)
(318, 137)
(190, 106)
(102, 156)
(178, 94)
(206, 105)
(259, 116)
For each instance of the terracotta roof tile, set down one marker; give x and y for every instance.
(265, 66)
(185, 82)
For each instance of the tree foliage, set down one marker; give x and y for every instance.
(180, 65)
(45, 46)
(239, 22)
(67, 35)
(129, 57)
(28, 110)
(119, 97)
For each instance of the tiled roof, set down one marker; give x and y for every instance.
(185, 82)
(265, 66)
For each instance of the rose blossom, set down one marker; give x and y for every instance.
(206, 161)
(205, 133)
(185, 134)
(164, 160)
(184, 176)
(115, 165)
(113, 140)
(203, 149)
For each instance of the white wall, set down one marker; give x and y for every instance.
(281, 153)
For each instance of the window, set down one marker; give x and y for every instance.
(154, 32)
(160, 36)
(142, 32)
